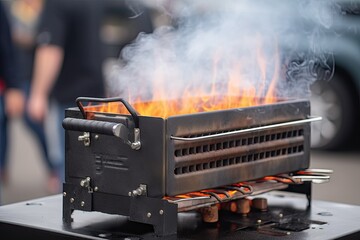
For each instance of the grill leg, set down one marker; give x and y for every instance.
(67, 210)
(161, 214)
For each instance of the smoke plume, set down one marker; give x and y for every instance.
(253, 44)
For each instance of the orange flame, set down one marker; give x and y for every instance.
(241, 91)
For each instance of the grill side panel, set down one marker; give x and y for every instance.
(115, 168)
(203, 164)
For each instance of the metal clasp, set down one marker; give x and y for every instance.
(85, 138)
(85, 183)
(136, 145)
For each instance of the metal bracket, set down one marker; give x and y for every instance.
(247, 130)
(85, 138)
(85, 183)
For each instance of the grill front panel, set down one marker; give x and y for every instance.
(203, 164)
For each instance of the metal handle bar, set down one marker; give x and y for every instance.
(131, 110)
(248, 130)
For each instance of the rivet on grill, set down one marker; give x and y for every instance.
(82, 203)
(161, 212)
(148, 215)
(72, 200)
(64, 194)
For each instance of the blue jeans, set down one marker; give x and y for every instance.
(56, 135)
(35, 127)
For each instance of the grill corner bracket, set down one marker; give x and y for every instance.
(159, 213)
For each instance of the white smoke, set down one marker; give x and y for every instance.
(210, 40)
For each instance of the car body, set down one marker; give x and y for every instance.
(337, 100)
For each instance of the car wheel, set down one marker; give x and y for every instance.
(334, 102)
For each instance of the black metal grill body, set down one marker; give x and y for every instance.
(215, 162)
(167, 167)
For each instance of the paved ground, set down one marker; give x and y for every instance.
(28, 174)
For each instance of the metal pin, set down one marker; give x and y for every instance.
(96, 137)
(281, 215)
(64, 194)
(259, 221)
(161, 212)
(96, 189)
(72, 200)
(82, 203)
(148, 215)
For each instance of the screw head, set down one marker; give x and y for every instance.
(148, 215)
(96, 189)
(64, 194)
(72, 200)
(161, 212)
(82, 203)
(96, 137)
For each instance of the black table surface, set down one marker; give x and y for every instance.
(42, 219)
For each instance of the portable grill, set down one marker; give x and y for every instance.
(133, 165)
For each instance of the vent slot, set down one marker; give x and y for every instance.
(251, 157)
(252, 148)
(258, 139)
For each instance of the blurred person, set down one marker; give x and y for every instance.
(11, 96)
(68, 61)
(24, 15)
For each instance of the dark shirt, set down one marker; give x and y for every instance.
(75, 26)
(8, 76)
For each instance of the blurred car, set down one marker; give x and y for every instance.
(338, 99)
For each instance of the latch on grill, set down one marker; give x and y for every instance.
(85, 138)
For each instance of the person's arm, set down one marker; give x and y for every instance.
(48, 61)
(14, 95)
(48, 57)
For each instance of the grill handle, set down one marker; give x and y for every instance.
(247, 130)
(108, 128)
(132, 111)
